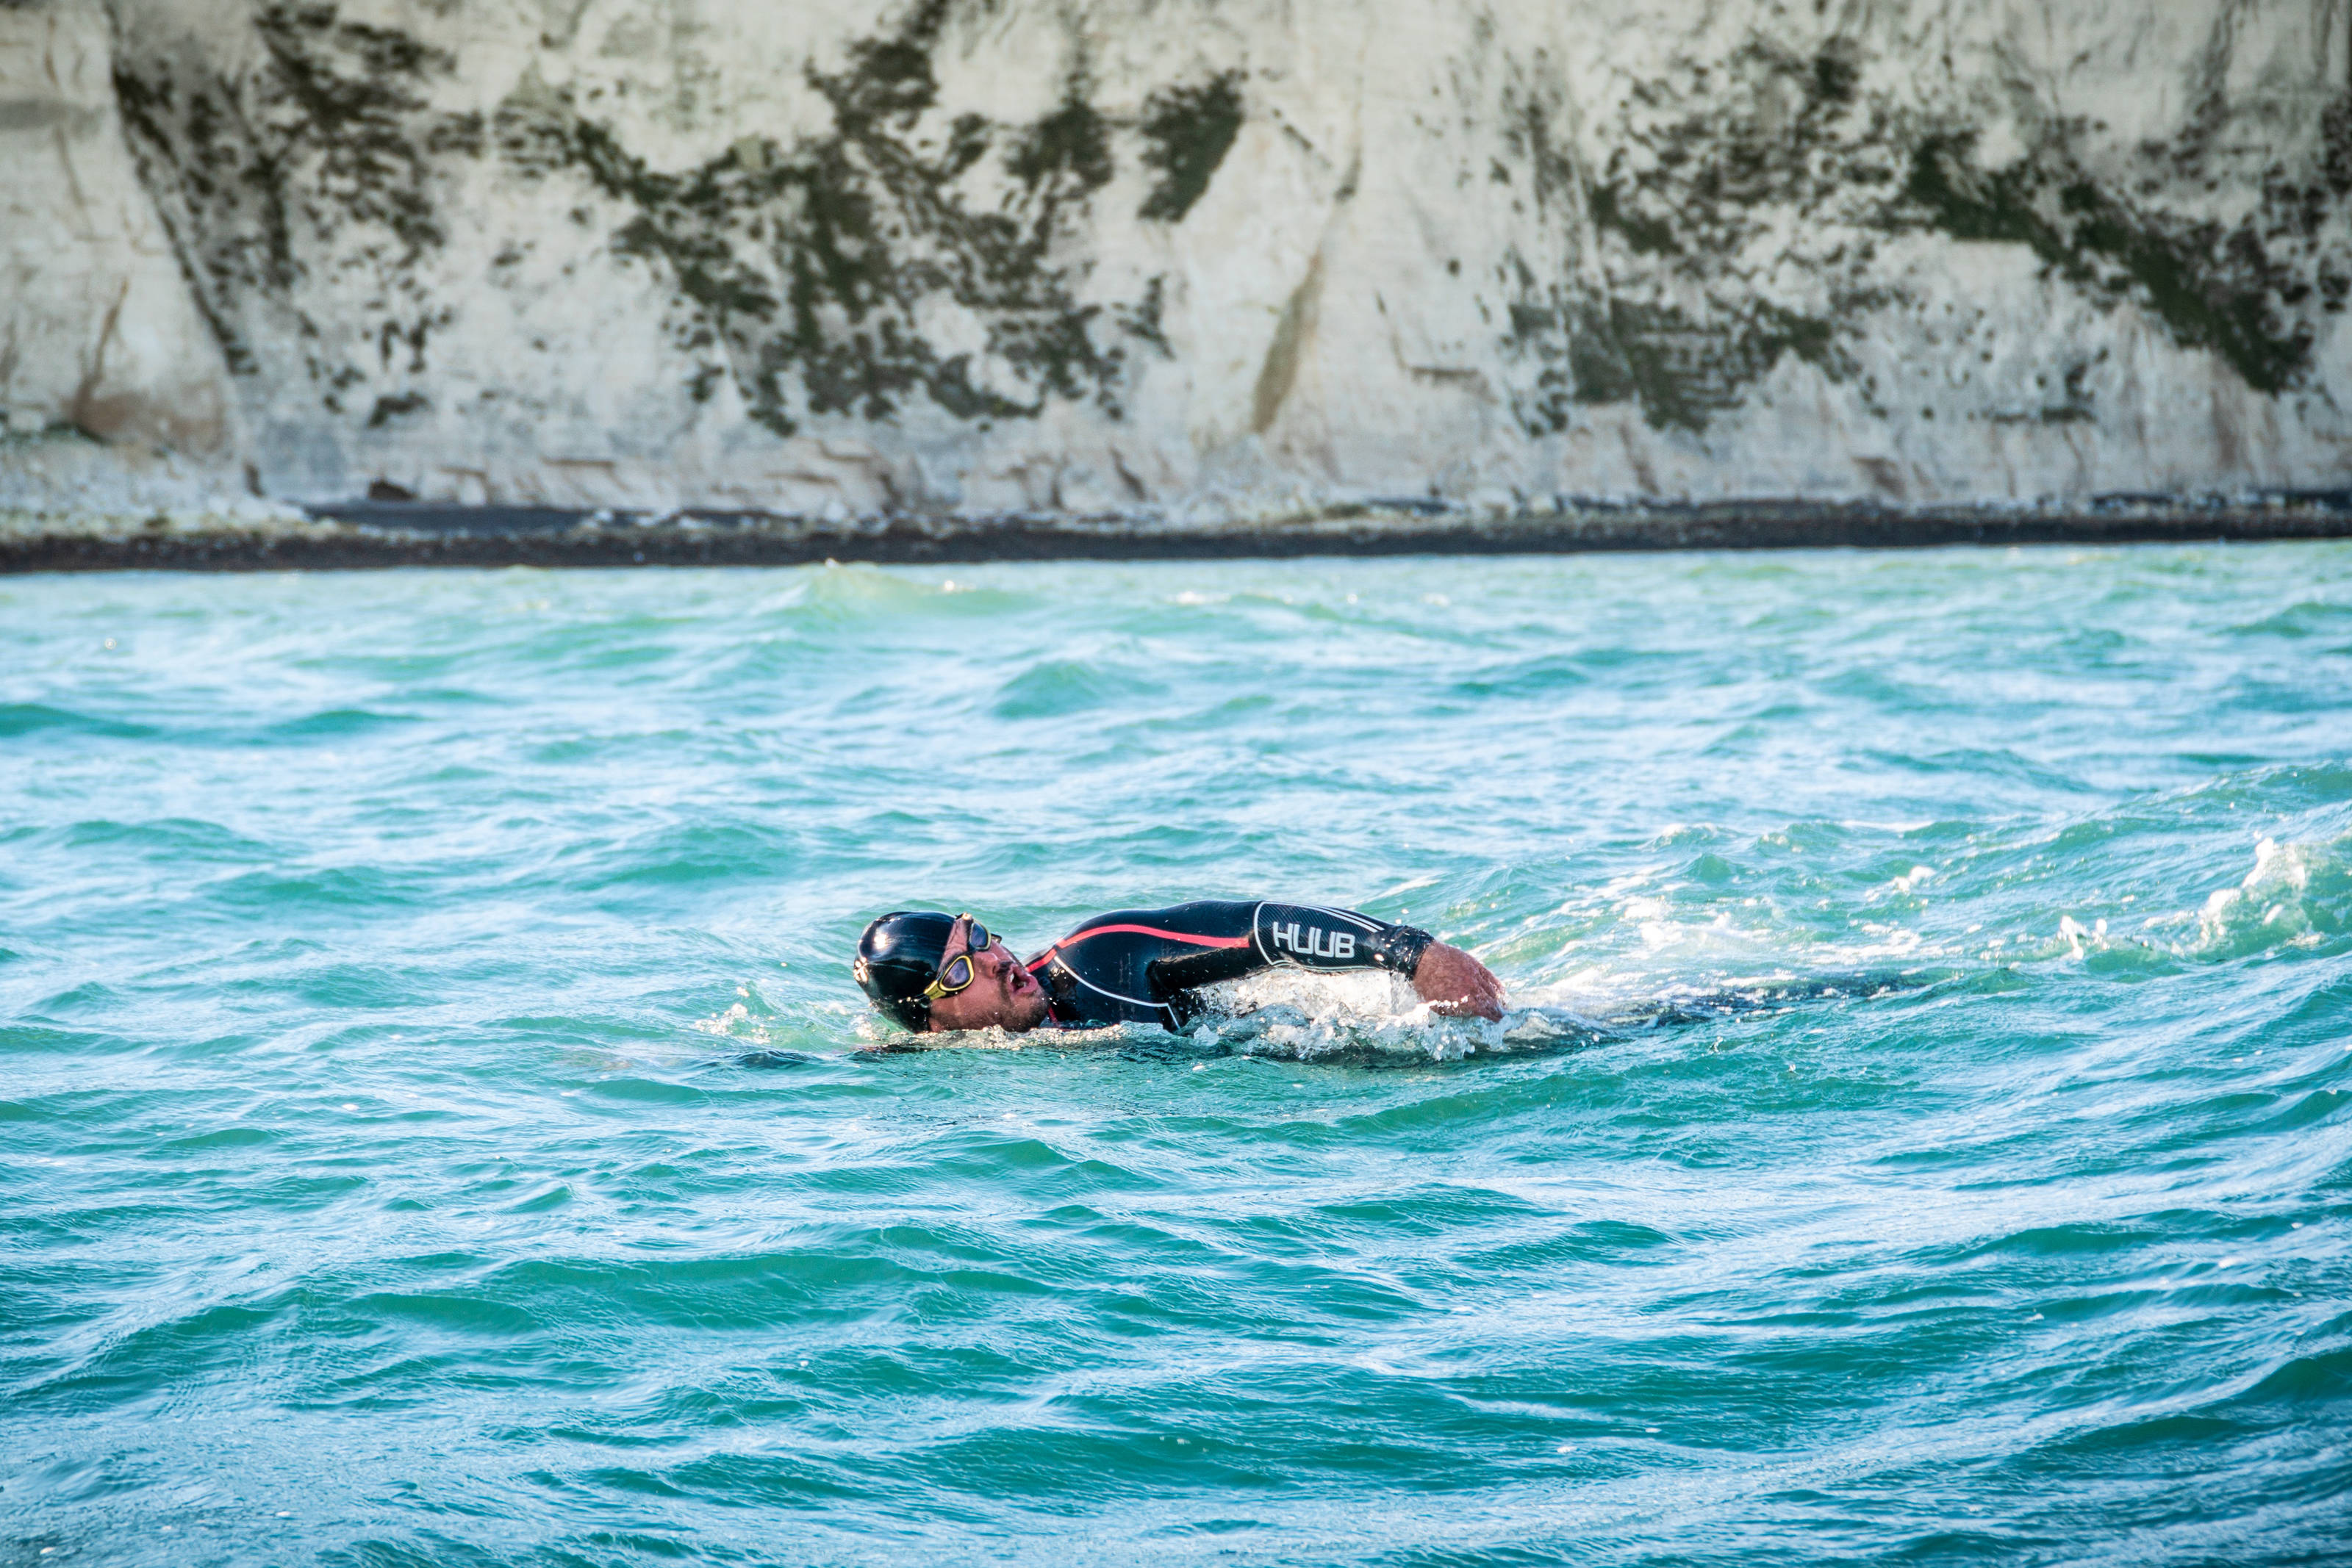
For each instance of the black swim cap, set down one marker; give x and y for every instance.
(897, 956)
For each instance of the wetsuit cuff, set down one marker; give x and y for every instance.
(1400, 947)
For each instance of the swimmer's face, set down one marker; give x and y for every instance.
(1002, 995)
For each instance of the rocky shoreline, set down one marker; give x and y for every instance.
(376, 534)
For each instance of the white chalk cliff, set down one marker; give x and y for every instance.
(1197, 255)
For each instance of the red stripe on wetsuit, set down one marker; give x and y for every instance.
(1184, 936)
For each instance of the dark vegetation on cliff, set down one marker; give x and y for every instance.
(1787, 155)
(810, 265)
(807, 272)
(2250, 291)
(326, 150)
(1190, 129)
(1774, 147)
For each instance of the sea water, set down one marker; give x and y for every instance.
(438, 1125)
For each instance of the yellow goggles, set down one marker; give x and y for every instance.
(957, 974)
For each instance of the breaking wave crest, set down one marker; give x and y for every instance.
(2297, 895)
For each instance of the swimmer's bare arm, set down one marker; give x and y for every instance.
(1456, 984)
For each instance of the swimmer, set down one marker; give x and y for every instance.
(932, 972)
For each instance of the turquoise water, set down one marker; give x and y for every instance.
(438, 1125)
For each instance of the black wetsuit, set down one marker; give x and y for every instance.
(1142, 965)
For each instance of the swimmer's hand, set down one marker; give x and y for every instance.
(1456, 984)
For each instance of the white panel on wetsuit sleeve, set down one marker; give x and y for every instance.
(1313, 937)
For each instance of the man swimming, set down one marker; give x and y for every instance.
(932, 972)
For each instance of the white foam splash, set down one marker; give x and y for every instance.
(1365, 1016)
(2297, 895)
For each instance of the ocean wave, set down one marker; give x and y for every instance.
(464, 1138)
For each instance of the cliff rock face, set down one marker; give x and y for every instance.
(1192, 255)
(98, 328)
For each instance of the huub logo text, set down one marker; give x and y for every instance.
(1316, 944)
